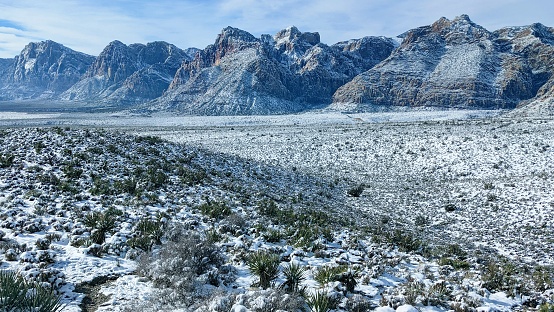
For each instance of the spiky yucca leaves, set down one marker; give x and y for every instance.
(101, 223)
(294, 276)
(16, 294)
(319, 302)
(328, 274)
(266, 266)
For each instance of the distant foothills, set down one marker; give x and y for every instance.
(449, 64)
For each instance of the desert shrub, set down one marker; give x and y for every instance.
(413, 291)
(17, 294)
(328, 274)
(216, 210)
(437, 294)
(129, 185)
(358, 303)
(182, 265)
(498, 276)
(356, 191)
(546, 307)
(42, 244)
(156, 178)
(319, 302)
(455, 263)
(101, 187)
(348, 279)
(152, 140)
(405, 240)
(268, 208)
(543, 278)
(294, 276)
(265, 265)
(421, 220)
(6, 161)
(71, 171)
(268, 300)
(101, 223)
(148, 233)
(192, 177)
(450, 207)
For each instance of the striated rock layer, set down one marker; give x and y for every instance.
(42, 70)
(449, 64)
(457, 64)
(130, 74)
(289, 72)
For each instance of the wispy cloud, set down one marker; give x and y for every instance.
(89, 25)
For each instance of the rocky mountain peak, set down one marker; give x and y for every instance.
(116, 62)
(160, 52)
(231, 40)
(43, 69)
(295, 43)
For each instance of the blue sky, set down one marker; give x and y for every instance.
(89, 25)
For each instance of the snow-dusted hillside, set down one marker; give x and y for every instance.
(438, 214)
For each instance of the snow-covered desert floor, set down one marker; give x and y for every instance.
(433, 210)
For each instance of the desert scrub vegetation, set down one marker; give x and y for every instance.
(265, 266)
(183, 265)
(294, 274)
(17, 294)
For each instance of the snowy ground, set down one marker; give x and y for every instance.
(444, 178)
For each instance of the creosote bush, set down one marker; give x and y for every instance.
(182, 265)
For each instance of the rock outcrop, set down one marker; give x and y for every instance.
(289, 72)
(449, 64)
(42, 70)
(128, 74)
(456, 64)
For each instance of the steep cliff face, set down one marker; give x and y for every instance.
(289, 72)
(128, 74)
(534, 47)
(42, 70)
(452, 64)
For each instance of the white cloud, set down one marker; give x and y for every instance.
(89, 25)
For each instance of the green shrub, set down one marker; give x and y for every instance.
(348, 279)
(192, 177)
(546, 307)
(356, 191)
(266, 266)
(437, 294)
(101, 223)
(543, 278)
(328, 274)
(6, 161)
(216, 210)
(319, 302)
(17, 294)
(455, 263)
(294, 276)
(148, 233)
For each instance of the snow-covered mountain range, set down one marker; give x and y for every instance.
(451, 63)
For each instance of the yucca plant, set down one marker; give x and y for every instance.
(16, 294)
(266, 266)
(328, 274)
(319, 302)
(294, 275)
(348, 279)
